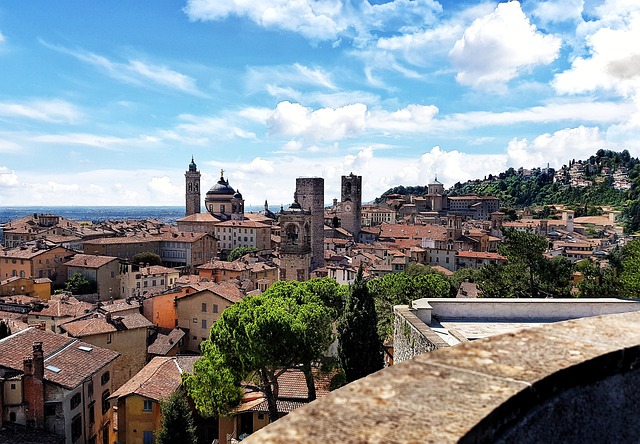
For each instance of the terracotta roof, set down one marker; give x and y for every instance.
(399, 231)
(89, 261)
(480, 255)
(29, 252)
(65, 306)
(198, 217)
(60, 352)
(156, 269)
(121, 240)
(158, 379)
(119, 305)
(243, 224)
(224, 265)
(87, 327)
(226, 290)
(18, 434)
(181, 236)
(164, 343)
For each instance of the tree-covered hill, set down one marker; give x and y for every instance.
(607, 178)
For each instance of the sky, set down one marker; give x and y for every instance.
(105, 103)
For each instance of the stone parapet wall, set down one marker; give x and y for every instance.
(572, 382)
(412, 337)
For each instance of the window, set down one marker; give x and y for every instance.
(13, 386)
(148, 405)
(147, 437)
(153, 283)
(204, 323)
(92, 413)
(49, 409)
(195, 320)
(215, 308)
(204, 307)
(108, 339)
(105, 378)
(76, 427)
(105, 401)
(75, 400)
(90, 389)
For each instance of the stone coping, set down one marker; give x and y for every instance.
(477, 391)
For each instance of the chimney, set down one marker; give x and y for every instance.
(107, 317)
(33, 386)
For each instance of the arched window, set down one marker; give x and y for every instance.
(292, 233)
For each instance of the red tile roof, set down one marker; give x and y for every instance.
(89, 261)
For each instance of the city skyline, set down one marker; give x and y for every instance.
(105, 104)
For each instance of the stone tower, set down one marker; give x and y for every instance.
(310, 196)
(295, 244)
(192, 189)
(237, 206)
(351, 214)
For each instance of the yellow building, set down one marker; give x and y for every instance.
(138, 400)
(35, 261)
(38, 287)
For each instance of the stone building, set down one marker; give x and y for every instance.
(351, 208)
(310, 196)
(223, 202)
(295, 245)
(192, 189)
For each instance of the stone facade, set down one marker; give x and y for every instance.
(411, 336)
(192, 189)
(295, 247)
(351, 204)
(310, 194)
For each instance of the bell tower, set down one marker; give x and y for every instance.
(295, 244)
(351, 193)
(192, 189)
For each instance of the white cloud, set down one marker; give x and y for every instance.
(293, 119)
(498, 46)
(556, 149)
(94, 140)
(558, 11)
(321, 20)
(8, 178)
(55, 111)
(163, 190)
(612, 63)
(413, 118)
(2, 38)
(258, 166)
(136, 72)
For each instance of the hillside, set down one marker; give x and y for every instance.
(607, 178)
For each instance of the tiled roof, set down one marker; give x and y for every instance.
(89, 261)
(87, 327)
(181, 236)
(121, 240)
(119, 305)
(18, 434)
(60, 352)
(399, 231)
(164, 343)
(157, 380)
(481, 255)
(156, 269)
(224, 265)
(243, 224)
(65, 306)
(198, 217)
(29, 252)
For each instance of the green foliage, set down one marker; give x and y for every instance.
(147, 257)
(4, 330)
(528, 273)
(401, 189)
(177, 421)
(630, 276)
(359, 347)
(238, 252)
(459, 276)
(254, 341)
(401, 289)
(78, 284)
(330, 293)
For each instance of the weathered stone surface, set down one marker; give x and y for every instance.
(565, 382)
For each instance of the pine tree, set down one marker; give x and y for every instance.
(177, 421)
(359, 347)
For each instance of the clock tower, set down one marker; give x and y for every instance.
(351, 204)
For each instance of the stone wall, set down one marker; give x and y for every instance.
(412, 337)
(572, 382)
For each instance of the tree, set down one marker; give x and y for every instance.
(400, 289)
(359, 347)
(147, 257)
(238, 252)
(525, 251)
(630, 277)
(4, 329)
(254, 342)
(177, 421)
(78, 284)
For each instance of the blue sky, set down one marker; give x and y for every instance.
(104, 103)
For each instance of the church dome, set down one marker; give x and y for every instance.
(237, 195)
(221, 187)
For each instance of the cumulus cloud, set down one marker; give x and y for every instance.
(553, 11)
(162, 189)
(55, 111)
(258, 166)
(556, 149)
(293, 119)
(612, 62)
(8, 178)
(321, 20)
(498, 47)
(2, 39)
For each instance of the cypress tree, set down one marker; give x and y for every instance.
(359, 347)
(177, 421)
